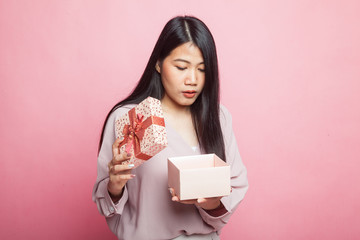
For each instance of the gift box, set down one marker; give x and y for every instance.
(143, 129)
(199, 176)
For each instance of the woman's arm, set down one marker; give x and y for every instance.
(109, 192)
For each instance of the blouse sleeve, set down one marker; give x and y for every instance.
(100, 193)
(239, 182)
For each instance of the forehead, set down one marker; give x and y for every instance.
(187, 51)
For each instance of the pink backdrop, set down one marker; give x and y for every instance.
(290, 76)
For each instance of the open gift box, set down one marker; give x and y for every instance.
(199, 176)
(143, 130)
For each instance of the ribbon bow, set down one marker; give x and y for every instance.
(134, 132)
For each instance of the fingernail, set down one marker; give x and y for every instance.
(128, 154)
(133, 175)
(171, 191)
(121, 138)
(131, 165)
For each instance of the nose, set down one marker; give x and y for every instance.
(191, 78)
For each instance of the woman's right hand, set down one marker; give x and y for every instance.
(119, 173)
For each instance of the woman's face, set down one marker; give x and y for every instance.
(182, 75)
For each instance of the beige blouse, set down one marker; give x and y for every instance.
(145, 210)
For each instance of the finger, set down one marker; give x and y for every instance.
(118, 159)
(115, 146)
(172, 192)
(121, 168)
(175, 199)
(110, 165)
(122, 177)
(201, 200)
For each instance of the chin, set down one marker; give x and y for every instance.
(188, 103)
(185, 102)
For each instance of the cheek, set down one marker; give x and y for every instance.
(169, 76)
(165, 79)
(202, 82)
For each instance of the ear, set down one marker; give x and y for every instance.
(157, 67)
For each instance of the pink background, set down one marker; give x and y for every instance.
(290, 76)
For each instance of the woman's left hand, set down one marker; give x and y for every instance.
(205, 203)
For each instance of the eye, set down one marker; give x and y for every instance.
(181, 68)
(201, 70)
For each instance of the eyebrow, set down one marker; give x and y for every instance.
(186, 61)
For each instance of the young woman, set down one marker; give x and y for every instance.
(183, 73)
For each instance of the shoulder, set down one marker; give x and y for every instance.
(119, 112)
(226, 122)
(123, 110)
(225, 115)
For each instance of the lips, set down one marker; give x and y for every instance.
(189, 93)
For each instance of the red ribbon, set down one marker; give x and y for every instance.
(134, 132)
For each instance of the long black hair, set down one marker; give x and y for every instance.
(205, 110)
